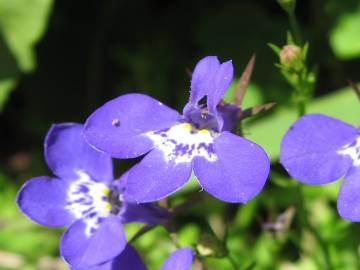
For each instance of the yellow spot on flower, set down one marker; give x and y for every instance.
(106, 192)
(187, 126)
(108, 206)
(204, 131)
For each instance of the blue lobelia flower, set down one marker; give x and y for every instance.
(129, 259)
(180, 259)
(229, 167)
(83, 195)
(318, 149)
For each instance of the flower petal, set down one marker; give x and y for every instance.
(128, 259)
(155, 178)
(230, 115)
(67, 153)
(181, 259)
(211, 79)
(81, 250)
(348, 203)
(118, 127)
(239, 172)
(148, 213)
(43, 199)
(309, 149)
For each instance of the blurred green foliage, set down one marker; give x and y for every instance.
(344, 36)
(65, 58)
(22, 24)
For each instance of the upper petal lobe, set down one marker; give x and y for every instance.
(67, 153)
(211, 79)
(118, 127)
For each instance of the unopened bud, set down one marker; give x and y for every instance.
(290, 56)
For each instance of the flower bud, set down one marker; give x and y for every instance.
(290, 56)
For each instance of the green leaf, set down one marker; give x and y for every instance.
(269, 131)
(276, 49)
(5, 89)
(345, 36)
(22, 23)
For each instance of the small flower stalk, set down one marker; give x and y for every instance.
(293, 67)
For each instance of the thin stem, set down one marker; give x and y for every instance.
(304, 219)
(141, 232)
(301, 108)
(233, 262)
(295, 28)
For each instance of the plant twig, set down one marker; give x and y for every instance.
(243, 83)
(355, 88)
(142, 231)
(256, 109)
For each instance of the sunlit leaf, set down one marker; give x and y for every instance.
(22, 23)
(345, 36)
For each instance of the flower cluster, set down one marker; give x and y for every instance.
(84, 195)
(229, 167)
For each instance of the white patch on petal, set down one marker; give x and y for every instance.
(352, 150)
(181, 143)
(89, 200)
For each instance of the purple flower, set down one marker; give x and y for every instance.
(319, 149)
(181, 259)
(229, 167)
(129, 259)
(84, 196)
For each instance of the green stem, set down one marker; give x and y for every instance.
(295, 28)
(301, 108)
(141, 232)
(306, 223)
(233, 262)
